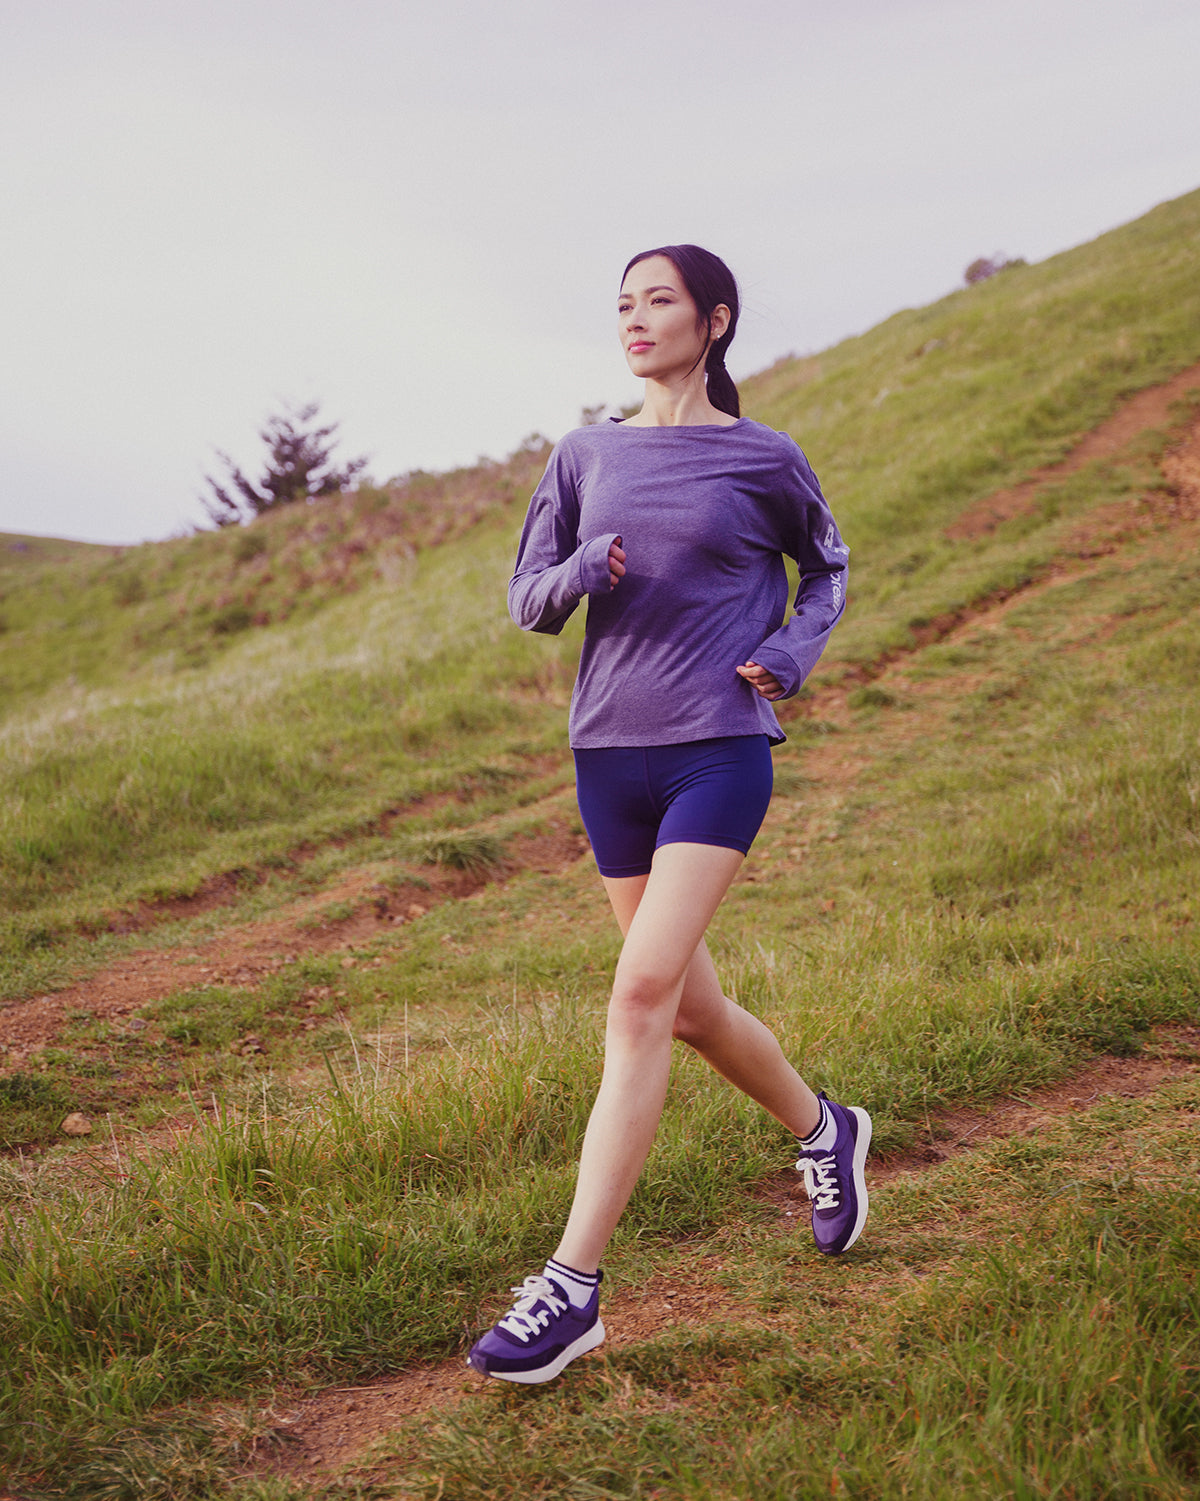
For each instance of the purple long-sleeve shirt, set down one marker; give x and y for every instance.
(705, 515)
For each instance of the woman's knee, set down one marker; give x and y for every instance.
(643, 999)
(697, 1025)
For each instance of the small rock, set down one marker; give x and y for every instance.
(415, 910)
(76, 1125)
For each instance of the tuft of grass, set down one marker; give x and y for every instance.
(466, 849)
(870, 696)
(31, 1108)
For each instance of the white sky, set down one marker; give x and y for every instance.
(417, 211)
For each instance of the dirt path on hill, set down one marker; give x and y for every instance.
(1173, 511)
(246, 953)
(317, 1438)
(1147, 410)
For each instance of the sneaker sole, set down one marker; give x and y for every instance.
(861, 1144)
(588, 1340)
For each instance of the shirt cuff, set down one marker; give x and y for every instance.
(593, 564)
(781, 666)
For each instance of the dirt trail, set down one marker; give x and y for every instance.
(1147, 410)
(245, 953)
(316, 1438)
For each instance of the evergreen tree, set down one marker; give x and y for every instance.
(299, 468)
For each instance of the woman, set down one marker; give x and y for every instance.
(673, 523)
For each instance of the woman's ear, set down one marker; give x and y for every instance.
(720, 320)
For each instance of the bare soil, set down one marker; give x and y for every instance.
(1152, 409)
(244, 953)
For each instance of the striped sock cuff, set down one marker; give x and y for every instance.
(825, 1133)
(578, 1286)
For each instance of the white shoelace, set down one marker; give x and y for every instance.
(820, 1181)
(522, 1323)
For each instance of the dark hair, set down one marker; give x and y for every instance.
(709, 282)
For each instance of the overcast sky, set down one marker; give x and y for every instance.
(417, 211)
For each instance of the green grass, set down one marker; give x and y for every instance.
(978, 870)
(1026, 1326)
(361, 1229)
(298, 736)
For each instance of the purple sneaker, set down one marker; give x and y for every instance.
(835, 1181)
(539, 1336)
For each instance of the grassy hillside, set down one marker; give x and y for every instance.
(183, 707)
(978, 872)
(917, 419)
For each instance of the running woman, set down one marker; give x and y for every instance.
(674, 524)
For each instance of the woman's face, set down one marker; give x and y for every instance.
(657, 322)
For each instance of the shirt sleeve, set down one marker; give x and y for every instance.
(554, 571)
(809, 534)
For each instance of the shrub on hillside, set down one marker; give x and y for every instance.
(989, 265)
(299, 467)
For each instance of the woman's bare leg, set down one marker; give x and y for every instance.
(742, 1049)
(732, 1041)
(666, 986)
(679, 897)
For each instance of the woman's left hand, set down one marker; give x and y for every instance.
(764, 683)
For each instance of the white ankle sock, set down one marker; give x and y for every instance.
(824, 1133)
(578, 1286)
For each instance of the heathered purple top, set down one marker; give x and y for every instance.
(704, 515)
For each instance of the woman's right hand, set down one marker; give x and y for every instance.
(616, 563)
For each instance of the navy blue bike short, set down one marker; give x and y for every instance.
(635, 798)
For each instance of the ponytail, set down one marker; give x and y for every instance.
(721, 390)
(710, 284)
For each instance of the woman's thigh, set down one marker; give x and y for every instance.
(664, 925)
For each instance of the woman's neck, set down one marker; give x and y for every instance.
(682, 404)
